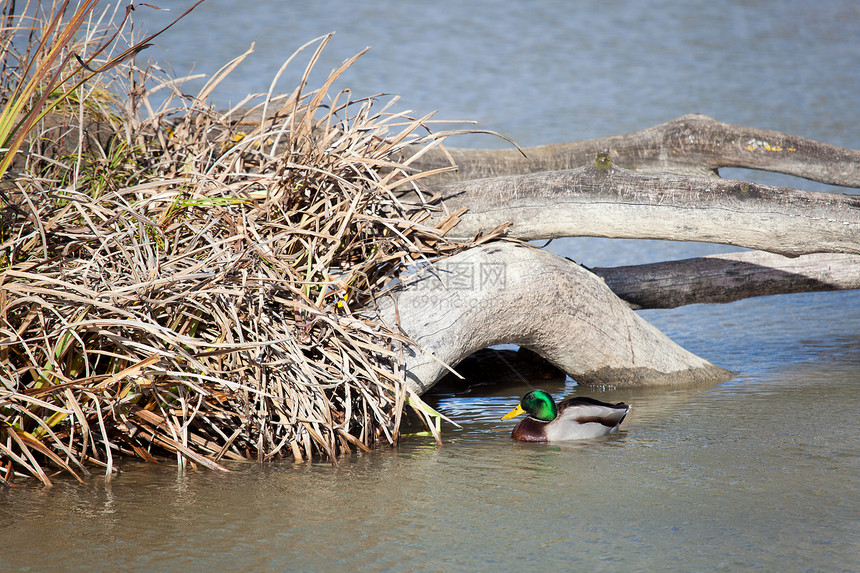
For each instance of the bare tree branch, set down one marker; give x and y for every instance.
(607, 201)
(693, 144)
(730, 277)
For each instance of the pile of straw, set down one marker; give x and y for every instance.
(191, 288)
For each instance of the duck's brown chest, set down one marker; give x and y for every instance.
(530, 430)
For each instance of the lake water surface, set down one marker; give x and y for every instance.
(759, 473)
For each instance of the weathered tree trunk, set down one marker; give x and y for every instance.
(691, 145)
(513, 293)
(608, 201)
(729, 277)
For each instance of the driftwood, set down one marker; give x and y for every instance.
(513, 293)
(694, 144)
(729, 277)
(572, 318)
(608, 201)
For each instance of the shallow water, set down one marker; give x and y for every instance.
(751, 474)
(761, 472)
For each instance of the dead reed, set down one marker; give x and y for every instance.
(189, 285)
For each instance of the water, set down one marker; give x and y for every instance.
(761, 472)
(753, 474)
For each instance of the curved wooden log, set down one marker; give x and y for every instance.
(607, 201)
(729, 277)
(513, 293)
(693, 144)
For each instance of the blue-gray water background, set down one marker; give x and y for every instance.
(762, 472)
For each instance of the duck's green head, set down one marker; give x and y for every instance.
(538, 404)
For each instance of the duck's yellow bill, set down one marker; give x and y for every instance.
(514, 413)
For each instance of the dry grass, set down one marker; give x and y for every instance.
(191, 285)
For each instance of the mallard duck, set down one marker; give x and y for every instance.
(578, 418)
